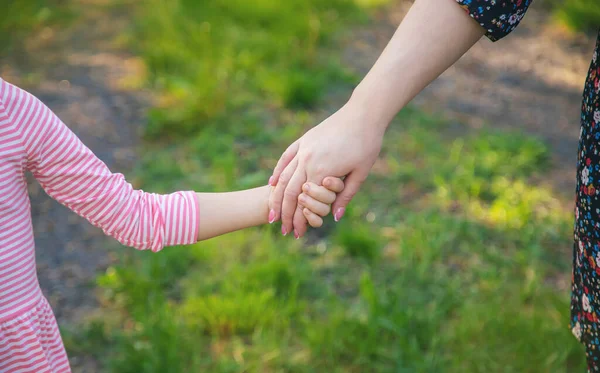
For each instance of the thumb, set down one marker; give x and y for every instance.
(352, 184)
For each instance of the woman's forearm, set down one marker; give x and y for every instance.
(433, 35)
(221, 213)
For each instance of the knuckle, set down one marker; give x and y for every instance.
(287, 215)
(320, 170)
(307, 156)
(346, 199)
(311, 192)
(291, 194)
(290, 149)
(284, 178)
(350, 193)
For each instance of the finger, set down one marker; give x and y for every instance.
(285, 159)
(317, 207)
(335, 184)
(300, 222)
(276, 197)
(319, 193)
(353, 183)
(290, 199)
(314, 220)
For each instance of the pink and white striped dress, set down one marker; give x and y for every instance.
(32, 138)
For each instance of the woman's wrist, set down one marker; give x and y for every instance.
(372, 114)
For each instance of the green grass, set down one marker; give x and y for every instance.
(577, 14)
(445, 262)
(20, 18)
(455, 279)
(211, 59)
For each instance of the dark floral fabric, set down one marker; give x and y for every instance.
(499, 18)
(585, 296)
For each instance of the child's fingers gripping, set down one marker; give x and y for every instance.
(313, 205)
(320, 193)
(335, 184)
(314, 220)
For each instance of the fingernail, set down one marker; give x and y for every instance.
(339, 213)
(271, 180)
(283, 230)
(306, 187)
(271, 216)
(296, 235)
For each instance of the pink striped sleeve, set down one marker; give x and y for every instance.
(70, 173)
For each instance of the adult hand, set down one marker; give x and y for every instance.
(345, 144)
(432, 36)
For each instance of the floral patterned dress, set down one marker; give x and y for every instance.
(499, 18)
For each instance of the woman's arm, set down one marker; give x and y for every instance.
(432, 36)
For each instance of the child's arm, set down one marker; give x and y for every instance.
(227, 212)
(71, 174)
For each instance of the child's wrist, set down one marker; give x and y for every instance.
(264, 195)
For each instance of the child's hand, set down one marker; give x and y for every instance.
(316, 200)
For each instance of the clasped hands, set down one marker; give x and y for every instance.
(344, 145)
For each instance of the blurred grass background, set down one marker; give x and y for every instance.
(577, 14)
(447, 261)
(20, 18)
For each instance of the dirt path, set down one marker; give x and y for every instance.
(77, 72)
(532, 81)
